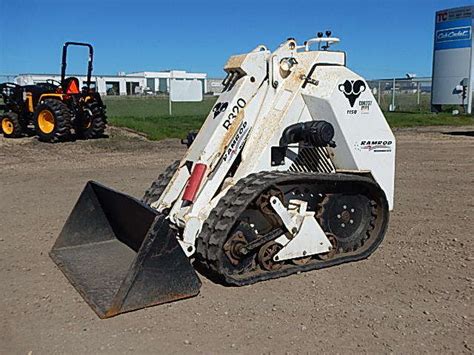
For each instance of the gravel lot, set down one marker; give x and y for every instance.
(412, 295)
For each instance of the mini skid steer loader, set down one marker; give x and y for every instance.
(293, 170)
(55, 109)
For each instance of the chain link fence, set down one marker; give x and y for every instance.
(396, 95)
(402, 94)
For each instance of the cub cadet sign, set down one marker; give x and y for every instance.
(453, 34)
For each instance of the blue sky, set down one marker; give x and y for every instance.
(382, 38)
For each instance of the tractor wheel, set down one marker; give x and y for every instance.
(52, 121)
(11, 125)
(159, 185)
(92, 123)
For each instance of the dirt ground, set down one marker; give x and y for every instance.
(413, 295)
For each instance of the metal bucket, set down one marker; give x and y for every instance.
(122, 255)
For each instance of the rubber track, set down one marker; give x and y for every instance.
(158, 186)
(223, 217)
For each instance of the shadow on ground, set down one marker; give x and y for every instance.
(460, 133)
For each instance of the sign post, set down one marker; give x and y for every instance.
(169, 94)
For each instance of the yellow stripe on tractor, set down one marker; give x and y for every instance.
(53, 96)
(29, 101)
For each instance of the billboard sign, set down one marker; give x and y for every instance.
(185, 90)
(453, 34)
(452, 56)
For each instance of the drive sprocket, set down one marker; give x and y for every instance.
(349, 218)
(241, 235)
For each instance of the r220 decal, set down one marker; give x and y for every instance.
(240, 104)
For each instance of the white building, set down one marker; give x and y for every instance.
(214, 86)
(123, 84)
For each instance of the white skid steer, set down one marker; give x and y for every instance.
(293, 170)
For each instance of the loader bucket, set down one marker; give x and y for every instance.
(122, 255)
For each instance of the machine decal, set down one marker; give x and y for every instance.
(352, 90)
(376, 146)
(219, 108)
(237, 143)
(365, 106)
(235, 110)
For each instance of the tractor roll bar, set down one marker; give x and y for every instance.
(89, 65)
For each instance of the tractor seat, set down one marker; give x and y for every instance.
(71, 85)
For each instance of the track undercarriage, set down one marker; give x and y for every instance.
(351, 209)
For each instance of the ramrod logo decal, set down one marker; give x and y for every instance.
(352, 90)
(376, 146)
(237, 142)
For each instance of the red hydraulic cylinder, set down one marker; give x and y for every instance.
(194, 182)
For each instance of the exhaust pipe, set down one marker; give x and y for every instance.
(122, 255)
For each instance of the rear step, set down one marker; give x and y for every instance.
(122, 255)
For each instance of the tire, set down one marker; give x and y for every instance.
(52, 121)
(158, 186)
(11, 125)
(93, 121)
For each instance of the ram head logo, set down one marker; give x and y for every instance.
(352, 90)
(219, 108)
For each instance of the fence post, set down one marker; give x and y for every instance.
(392, 108)
(378, 94)
(418, 94)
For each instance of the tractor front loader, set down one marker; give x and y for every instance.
(55, 109)
(293, 170)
